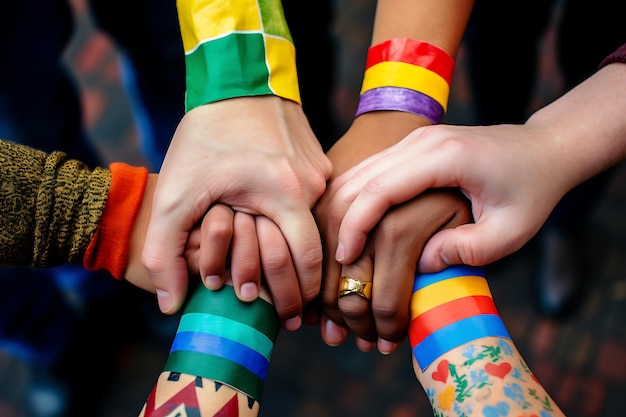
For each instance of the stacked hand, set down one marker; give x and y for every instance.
(267, 163)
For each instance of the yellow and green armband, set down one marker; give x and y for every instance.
(236, 48)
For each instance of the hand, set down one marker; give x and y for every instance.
(255, 154)
(370, 133)
(135, 273)
(257, 249)
(497, 167)
(389, 261)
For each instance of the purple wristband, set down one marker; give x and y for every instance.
(400, 99)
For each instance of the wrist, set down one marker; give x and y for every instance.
(407, 75)
(135, 273)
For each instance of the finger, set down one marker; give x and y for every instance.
(245, 258)
(301, 233)
(392, 187)
(279, 273)
(397, 253)
(356, 305)
(332, 326)
(393, 276)
(162, 258)
(217, 233)
(332, 333)
(166, 238)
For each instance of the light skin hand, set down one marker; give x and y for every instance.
(496, 169)
(265, 161)
(135, 273)
(250, 256)
(514, 175)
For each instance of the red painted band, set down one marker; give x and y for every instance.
(412, 51)
(445, 314)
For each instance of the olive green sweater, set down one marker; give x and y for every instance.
(55, 210)
(49, 206)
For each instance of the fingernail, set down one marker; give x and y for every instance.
(249, 291)
(340, 254)
(165, 300)
(213, 282)
(385, 346)
(365, 345)
(335, 335)
(293, 323)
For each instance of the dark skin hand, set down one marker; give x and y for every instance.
(393, 247)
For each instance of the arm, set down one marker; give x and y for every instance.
(244, 142)
(219, 358)
(405, 70)
(462, 353)
(502, 169)
(56, 210)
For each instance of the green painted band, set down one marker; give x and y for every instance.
(232, 66)
(230, 329)
(258, 314)
(217, 369)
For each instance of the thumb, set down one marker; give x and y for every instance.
(169, 275)
(470, 244)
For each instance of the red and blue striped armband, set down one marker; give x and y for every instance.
(407, 75)
(236, 48)
(222, 338)
(449, 309)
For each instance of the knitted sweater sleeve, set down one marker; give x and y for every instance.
(619, 55)
(49, 206)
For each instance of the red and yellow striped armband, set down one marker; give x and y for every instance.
(449, 309)
(236, 48)
(408, 75)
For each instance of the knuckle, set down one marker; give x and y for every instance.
(287, 309)
(219, 231)
(386, 311)
(310, 293)
(152, 264)
(276, 261)
(311, 259)
(246, 270)
(353, 307)
(392, 227)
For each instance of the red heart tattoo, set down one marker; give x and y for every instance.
(442, 372)
(498, 370)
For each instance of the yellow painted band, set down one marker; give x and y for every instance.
(447, 290)
(202, 20)
(281, 58)
(413, 77)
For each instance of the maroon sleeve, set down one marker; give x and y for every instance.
(618, 56)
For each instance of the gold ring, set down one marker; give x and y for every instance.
(349, 285)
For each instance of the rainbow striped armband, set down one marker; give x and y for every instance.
(448, 309)
(407, 75)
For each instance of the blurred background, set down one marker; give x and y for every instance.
(562, 297)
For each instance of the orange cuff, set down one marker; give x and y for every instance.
(108, 248)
